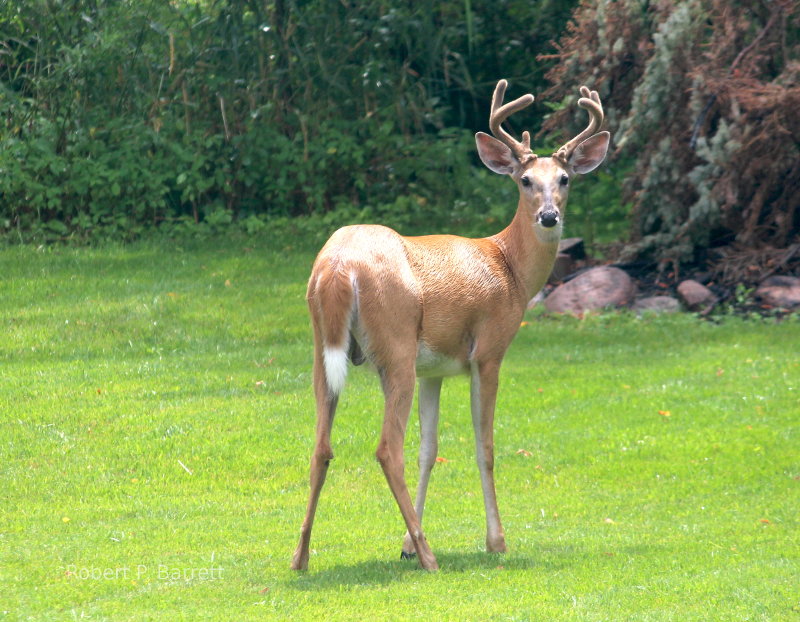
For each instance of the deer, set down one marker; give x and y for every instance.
(420, 309)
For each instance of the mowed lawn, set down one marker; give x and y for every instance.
(156, 422)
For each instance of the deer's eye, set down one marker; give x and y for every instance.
(564, 180)
(525, 181)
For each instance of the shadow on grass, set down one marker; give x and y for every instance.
(382, 572)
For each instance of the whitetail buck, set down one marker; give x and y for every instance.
(435, 306)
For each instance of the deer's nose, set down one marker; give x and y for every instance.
(548, 218)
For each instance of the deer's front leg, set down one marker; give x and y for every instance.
(429, 392)
(483, 394)
(398, 389)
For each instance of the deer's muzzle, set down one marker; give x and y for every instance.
(548, 218)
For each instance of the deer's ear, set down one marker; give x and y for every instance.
(495, 155)
(590, 153)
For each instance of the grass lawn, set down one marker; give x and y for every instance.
(157, 419)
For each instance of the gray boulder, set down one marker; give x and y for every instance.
(780, 291)
(596, 288)
(695, 295)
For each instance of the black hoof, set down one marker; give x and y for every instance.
(404, 555)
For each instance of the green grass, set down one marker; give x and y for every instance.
(157, 420)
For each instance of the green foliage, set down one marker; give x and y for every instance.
(596, 210)
(122, 116)
(157, 411)
(109, 179)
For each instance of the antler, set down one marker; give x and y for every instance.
(522, 150)
(591, 103)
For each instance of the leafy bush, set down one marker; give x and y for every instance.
(110, 179)
(120, 116)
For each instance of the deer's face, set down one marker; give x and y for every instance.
(544, 186)
(543, 182)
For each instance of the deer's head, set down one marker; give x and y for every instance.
(543, 182)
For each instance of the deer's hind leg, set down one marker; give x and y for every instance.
(398, 389)
(320, 458)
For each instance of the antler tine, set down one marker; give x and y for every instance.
(591, 103)
(500, 113)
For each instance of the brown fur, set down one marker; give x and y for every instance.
(435, 305)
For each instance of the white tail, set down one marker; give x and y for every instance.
(335, 368)
(435, 306)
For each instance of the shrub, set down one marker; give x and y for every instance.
(702, 96)
(121, 115)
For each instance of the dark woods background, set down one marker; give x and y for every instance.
(120, 116)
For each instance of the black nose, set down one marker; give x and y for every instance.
(549, 218)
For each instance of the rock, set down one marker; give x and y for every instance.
(573, 247)
(563, 267)
(780, 291)
(657, 304)
(694, 295)
(596, 288)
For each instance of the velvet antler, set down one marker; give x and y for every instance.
(499, 113)
(591, 103)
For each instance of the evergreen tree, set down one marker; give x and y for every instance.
(702, 99)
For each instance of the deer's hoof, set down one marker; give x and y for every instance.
(496, 545)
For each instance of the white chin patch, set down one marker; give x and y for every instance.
(548, 234)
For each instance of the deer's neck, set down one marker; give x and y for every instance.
(529, 250)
